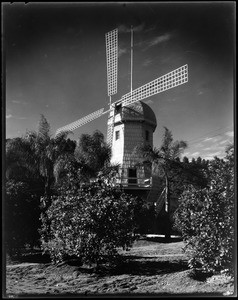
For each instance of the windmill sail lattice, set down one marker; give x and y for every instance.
(112, 62)
(161, 84)
(170, 80)
(72, 126)
(110, 126)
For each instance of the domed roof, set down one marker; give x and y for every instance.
(139, 111)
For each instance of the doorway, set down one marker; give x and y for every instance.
(132, 175)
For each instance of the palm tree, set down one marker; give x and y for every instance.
(163, 160)
(93, 154)
(38, 153)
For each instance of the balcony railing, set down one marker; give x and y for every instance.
(134, 182)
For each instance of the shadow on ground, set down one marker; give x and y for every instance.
(163, 240)
(146, 267)
(130, 265)
(135, 265)
(30, 257)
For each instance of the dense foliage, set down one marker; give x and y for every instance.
(163, 161)
(21, 216)
(205, 218)
(89, 222)
(36, 166)
(30, 162)
(93, 153)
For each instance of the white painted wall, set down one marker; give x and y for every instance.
(118, 145)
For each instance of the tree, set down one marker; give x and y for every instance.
(21, 161)
(30, 163)
(93, 154)
(37, 153)
(89, 222)
(163, 160)
(21, 215)
(205, 217)
(49, 151)
(185, 160)
(199, 161)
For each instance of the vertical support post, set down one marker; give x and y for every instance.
(131, 55)
(167, 208)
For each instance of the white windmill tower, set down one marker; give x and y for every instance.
(131, 122)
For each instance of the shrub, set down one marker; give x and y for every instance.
(90, 222)
(205, 218)
(22, 214)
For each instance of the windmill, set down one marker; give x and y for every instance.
(127, 105)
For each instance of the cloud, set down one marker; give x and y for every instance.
(195, 154)
(122, 51)
(214, 147)
(208, 157)
(207, 139)
(216, 153)
(199, 145)
(230, 133)
(213, 139)
(154, 41)
(19, 102)
(125, 29)
(153, 27)
(212, 155)
(223, 142)
(147, 62)
(186, 154)
(14, 117)
(139, 28)
(217, 138)
(159, 39)
(171, 99)
(200, 92)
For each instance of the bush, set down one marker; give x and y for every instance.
(22, 215)
(90, 222)
(205, 218)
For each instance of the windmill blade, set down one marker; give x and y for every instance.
(168, 81)
(112, 61)
(82, 121)
(110, 125)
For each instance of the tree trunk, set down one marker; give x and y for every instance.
(167, 208)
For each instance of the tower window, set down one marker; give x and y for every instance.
(117, 135)
(118, 108)
(147, 135)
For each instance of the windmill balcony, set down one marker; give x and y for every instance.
(134, 183)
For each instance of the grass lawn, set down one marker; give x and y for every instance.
(152, 267)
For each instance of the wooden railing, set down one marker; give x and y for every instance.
(134, 182)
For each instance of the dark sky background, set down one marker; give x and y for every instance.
(55, 62)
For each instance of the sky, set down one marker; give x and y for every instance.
(55, 65)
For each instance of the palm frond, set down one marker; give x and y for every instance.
(44, 128)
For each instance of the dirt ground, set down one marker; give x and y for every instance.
(151, 267)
